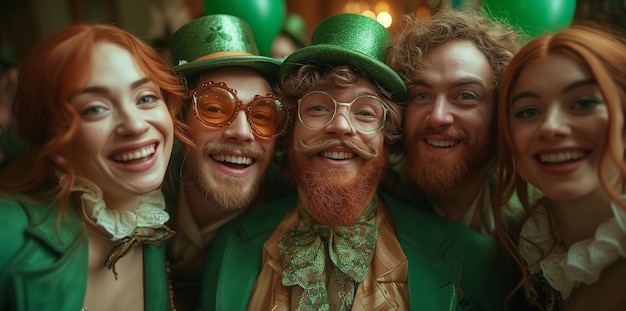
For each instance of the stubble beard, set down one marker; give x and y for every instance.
(225, 192)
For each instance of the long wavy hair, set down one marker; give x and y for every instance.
(604, 56)
(49, 76)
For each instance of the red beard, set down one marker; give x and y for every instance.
(335, 196)
(440, 175)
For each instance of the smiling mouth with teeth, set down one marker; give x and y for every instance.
(232, 161)
(334, 155)
(442, 143)
(561, 157)
(136, 155)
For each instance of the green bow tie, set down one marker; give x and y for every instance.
(306, 248)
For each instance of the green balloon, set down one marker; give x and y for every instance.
(534, 17)
(265, 17)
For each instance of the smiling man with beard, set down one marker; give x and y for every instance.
(341, 244)
(452, 64)
(233, 119)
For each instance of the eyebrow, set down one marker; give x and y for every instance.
(579, 84)
(569, 88)
(104, 90)
(460, 82)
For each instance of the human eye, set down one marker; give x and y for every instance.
(316, 106)
(262, 118)
(212, 108)
(367, 109)
(91, 107)
(467, 96)
(148, 99)
(526, 113)
(420, 96)
(93, 110)
(587, 103)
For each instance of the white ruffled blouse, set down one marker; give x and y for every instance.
(583, 262)
(150, 212)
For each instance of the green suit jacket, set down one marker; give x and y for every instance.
(450, 266)
(42, 268)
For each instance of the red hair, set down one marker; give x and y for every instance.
(604, 56)
(55, 69)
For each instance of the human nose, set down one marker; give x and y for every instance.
(239, 129)
(131, 122)
(440, 115)
(554, 125)
(340, 124)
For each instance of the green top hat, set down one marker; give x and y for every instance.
(353, 40)
(217, 41)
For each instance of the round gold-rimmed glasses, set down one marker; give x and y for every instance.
(366, 113)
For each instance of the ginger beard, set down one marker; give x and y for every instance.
(226, 192)
(441, 175)
(335, 196)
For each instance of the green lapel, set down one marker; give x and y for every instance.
(434, 271)
(237, 266)
(155, 278)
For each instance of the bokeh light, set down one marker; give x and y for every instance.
(382, 6)
(352, 7)
(385, 19)
(369, 14)
(423, 13)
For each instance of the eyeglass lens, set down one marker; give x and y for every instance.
(367, 113)
(217, 107)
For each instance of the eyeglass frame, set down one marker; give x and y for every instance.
(348, 105)
(239, 106)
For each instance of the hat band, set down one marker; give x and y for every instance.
(222, 54)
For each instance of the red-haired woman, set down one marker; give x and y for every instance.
(561, 119)
(81, 212)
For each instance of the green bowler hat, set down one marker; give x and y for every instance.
(217, 41)
(353, 40)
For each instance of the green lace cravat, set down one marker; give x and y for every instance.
(305, 249)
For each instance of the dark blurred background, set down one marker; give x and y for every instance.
(24, 22)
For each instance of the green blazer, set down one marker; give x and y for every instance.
(42, 268)
(443, 257)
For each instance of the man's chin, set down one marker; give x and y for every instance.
(338, 196)
(438, 176)
(226, 192)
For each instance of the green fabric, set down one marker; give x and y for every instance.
(42, 268)
(305, 250)
(11, 146)
(448, 263)
(235, 255)
(447, 259)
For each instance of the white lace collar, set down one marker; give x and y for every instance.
(150, 212)
(583, 262)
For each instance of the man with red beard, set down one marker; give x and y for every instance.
(340, 244)
(233, 120)
(452, 64)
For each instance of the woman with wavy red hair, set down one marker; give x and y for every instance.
(82, 213)
(561, 119)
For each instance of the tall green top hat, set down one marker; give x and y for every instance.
(353, 40)
(217, 41)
